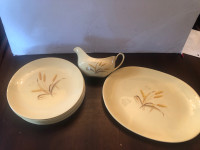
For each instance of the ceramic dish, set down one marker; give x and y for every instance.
(153, 104)
(60, 117)
(97, 67)
(45, 88)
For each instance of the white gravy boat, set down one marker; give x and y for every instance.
(96, 67)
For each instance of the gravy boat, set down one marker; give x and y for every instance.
(97, 67)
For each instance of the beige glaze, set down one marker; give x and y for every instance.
(153, 104)
(46, 90)
(96, 67)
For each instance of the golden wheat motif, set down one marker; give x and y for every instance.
(97, 68)
(44, 88)
(146, 100)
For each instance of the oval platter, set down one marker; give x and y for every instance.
(153, 104)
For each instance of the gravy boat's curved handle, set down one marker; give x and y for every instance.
(120, 62)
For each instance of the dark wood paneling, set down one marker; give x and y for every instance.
(3, 42)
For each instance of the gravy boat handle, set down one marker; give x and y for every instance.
(123, 57)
